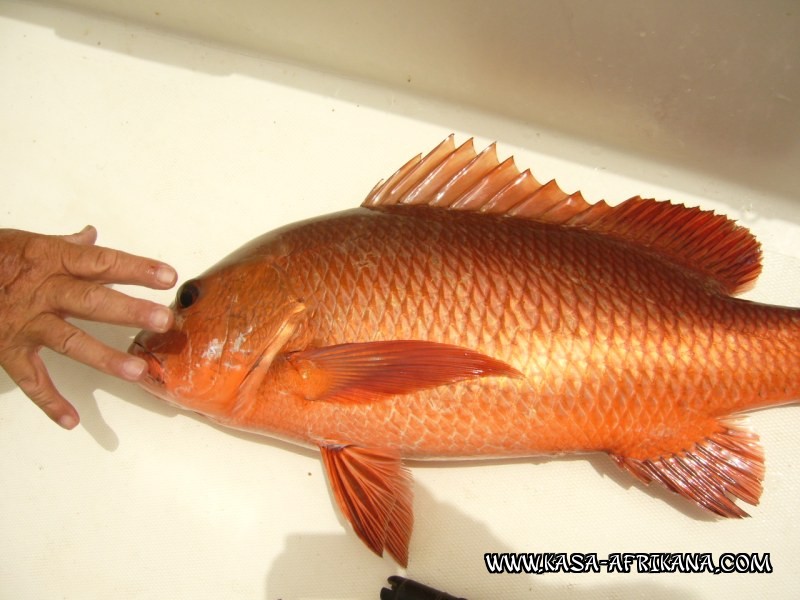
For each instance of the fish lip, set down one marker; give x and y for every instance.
(155, 365)
(138, 350)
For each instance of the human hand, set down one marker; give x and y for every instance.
(43, 280)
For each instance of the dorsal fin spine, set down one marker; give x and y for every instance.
(514, 193)
(422, 169)
(380, 192)
(467, 177)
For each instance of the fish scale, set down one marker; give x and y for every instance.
(468, 311)
(564, 382)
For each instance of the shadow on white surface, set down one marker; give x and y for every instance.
(600, 463)
(444, 539)
(693, 116)
(78, 384)
(6, 384)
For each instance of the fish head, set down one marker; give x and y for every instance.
(227, 322)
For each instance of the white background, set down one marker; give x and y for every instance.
(182, 148)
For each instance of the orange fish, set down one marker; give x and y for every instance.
(466, 310)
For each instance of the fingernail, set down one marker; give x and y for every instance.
(68, 422)
(166, 275)
(159, 318)
(133, 368)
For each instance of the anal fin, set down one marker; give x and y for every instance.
(373, 491)
(725, 465)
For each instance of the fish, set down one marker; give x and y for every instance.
(466, 311)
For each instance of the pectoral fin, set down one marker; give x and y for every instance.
(728, 463)
(373, 491)
(363, 371)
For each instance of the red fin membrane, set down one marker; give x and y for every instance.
(373, 491)
(711, 245)
(363, 371)
(727, 464)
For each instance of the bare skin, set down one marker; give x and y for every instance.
(43, 280)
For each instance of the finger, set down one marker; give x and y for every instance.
(66, 339)
(85, 237)
(93, 301)
(29, 373)
(106, 265)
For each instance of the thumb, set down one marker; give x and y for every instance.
(85, 237)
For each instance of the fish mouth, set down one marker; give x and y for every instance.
(155, 367)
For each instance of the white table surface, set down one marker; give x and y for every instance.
(183, 150)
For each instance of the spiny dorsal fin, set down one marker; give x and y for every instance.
(724, 253)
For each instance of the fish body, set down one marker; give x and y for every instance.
(466, 311)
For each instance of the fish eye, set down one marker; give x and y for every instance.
(188, 294)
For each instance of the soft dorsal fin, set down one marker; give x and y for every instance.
(715, 247)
